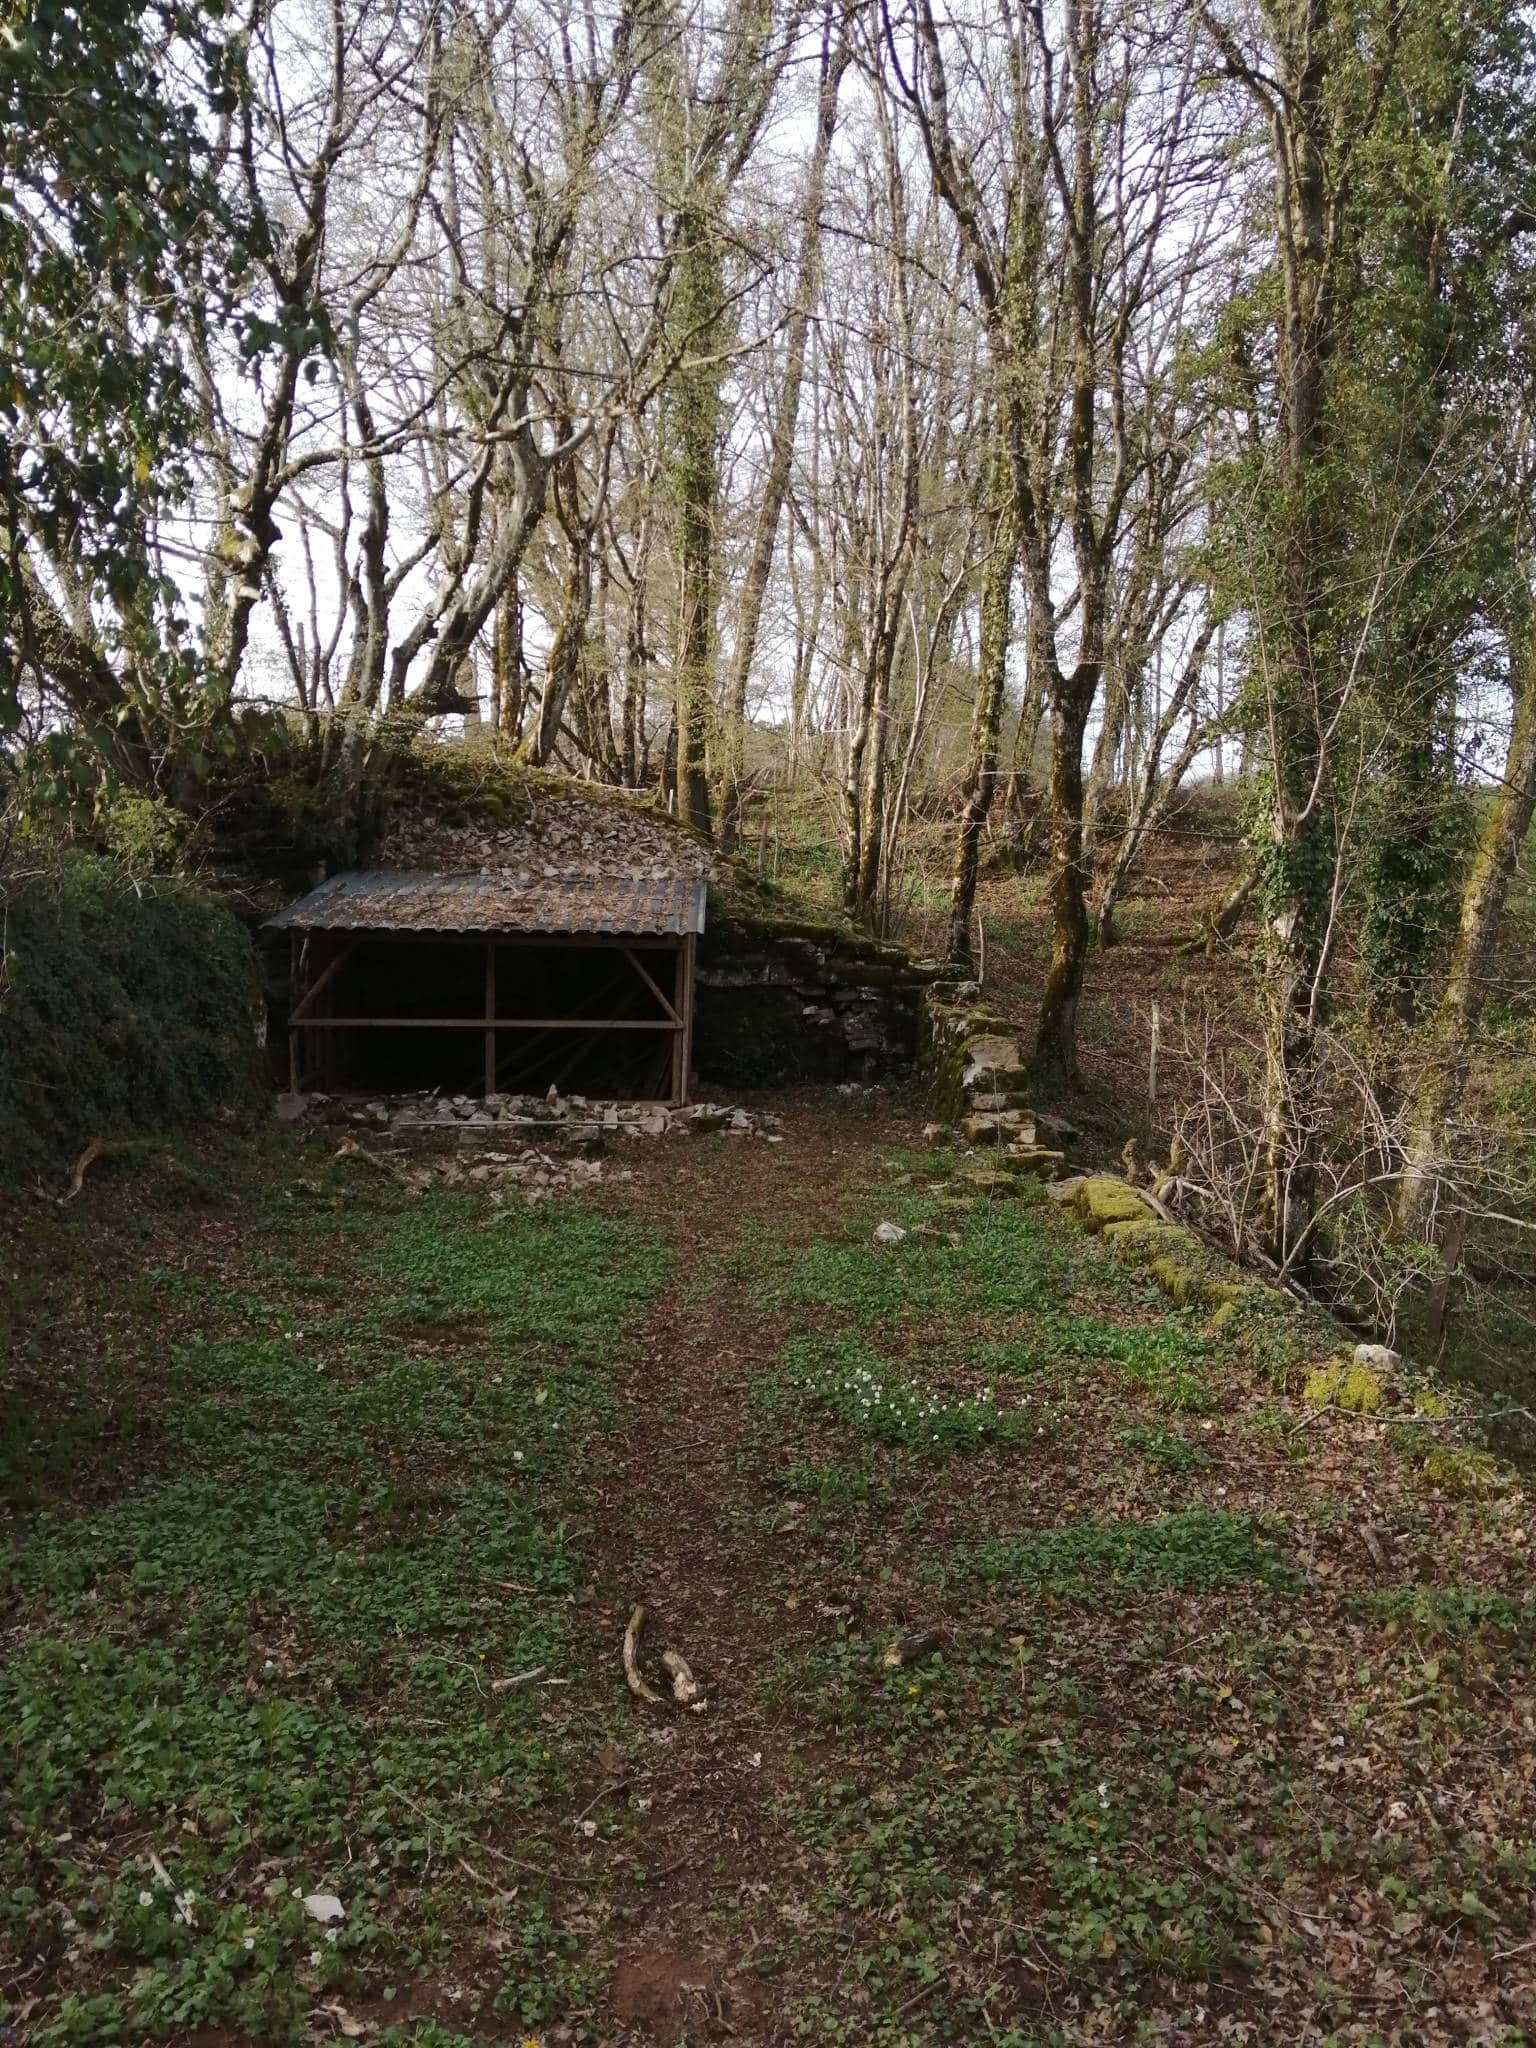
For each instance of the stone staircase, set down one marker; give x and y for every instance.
(979, 1081)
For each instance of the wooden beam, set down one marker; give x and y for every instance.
(682, 1045)
(657, 942)
(496, 1024)
(293, 1035)
(691, 948)
(320, 981)
(652, 985)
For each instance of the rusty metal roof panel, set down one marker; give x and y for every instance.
(418, 900)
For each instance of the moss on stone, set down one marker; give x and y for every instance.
(1343, 1384)
(1033, 1162)
(1130, 1233)
(1103, 1199)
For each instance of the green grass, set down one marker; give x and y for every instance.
(1194, 1549)
(857, 1386)
(289, 1498)
(271, 1657)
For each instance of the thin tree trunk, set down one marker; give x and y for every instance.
(698, 483)
(510, 690)
(834, 62)
(560, 671)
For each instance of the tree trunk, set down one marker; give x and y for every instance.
(1482, 908)
(508, 699)
(563, 665)
(1056, 1030)
(1304, 694)
(1106, 750)
(872, 846)
(986, 728)
(698, 487)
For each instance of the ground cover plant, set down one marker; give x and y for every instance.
(1086, 1685)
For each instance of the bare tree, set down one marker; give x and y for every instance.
(1062, 145)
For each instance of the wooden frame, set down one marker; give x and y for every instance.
(676, 1018)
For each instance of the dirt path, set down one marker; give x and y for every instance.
(686, 1525)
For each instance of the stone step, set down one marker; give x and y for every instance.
(999, 1127)
(1033, 1162)
(989, 1059)
(987, 1101)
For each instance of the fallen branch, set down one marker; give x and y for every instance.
(349, 1147)
(81, 1168)
(686, 1689)
(634, 1677)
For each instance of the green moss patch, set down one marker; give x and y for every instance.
(1343, 1384)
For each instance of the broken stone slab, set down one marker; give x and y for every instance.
(1378, 1357)
(989, 1056)
(1065, 1192)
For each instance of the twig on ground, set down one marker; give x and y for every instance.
(518, 1678)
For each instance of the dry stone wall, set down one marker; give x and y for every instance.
(783, 1000)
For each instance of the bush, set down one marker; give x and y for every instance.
(126, 1009)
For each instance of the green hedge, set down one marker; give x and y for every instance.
(125, 1010)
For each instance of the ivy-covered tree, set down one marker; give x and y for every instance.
(1449, 187)
(115, 248)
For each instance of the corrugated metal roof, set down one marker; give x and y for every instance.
(418, 900)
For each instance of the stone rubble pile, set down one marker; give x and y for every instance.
(556, 1120)
(560, 835)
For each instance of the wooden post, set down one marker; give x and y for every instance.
(293, 1002)
(682, 1039)
(679, 1001)
(490, 1014)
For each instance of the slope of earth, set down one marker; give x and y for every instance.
(1067, 1678)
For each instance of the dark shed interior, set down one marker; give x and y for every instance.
(402, 981)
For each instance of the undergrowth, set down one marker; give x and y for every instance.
(127, 1008)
